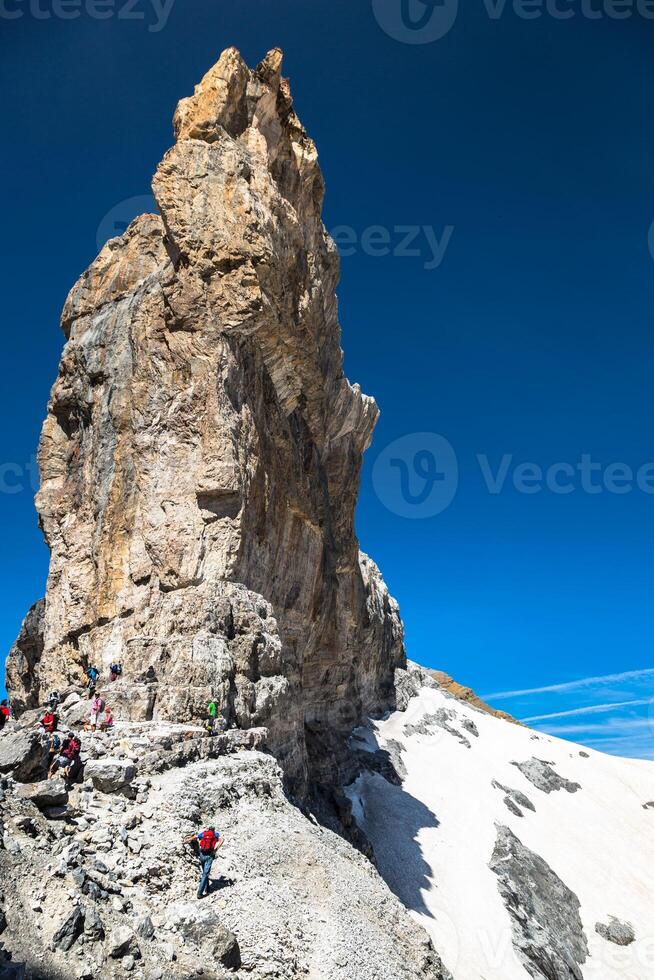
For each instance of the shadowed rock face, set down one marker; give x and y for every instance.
(200, 459)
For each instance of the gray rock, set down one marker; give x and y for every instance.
(225, 948)
(145, 928)
(544, 778)
(470, 726)
(110, 775)
(23, 755)
(617, 932)
(93, 925)
(46, 794)
(442, 718)
(69, 930)
(548, 934)
(515, 798)
(121, 942)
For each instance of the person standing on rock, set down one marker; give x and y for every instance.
(208, 842)
(115, 671)
(53, 700)
(96, 707)
(92, 673)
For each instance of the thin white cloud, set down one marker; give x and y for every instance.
(628, 675)
(594, 709)
(608, 728)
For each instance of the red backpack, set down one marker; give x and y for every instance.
(207, 841)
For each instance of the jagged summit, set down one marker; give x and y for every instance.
(200, 459)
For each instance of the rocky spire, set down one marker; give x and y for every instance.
(201, 454)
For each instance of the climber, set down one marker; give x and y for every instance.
(92, 673)
(53, 700)
(68, 757)
(49, 721)
(150, 676)
(108, 720)
(55, 745)
(5, 713)
(208, 842)
(96, 707)
(115, 671)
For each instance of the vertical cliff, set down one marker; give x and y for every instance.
(200, 459)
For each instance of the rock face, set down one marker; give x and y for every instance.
(200, 458)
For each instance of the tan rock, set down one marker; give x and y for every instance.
(201, 455)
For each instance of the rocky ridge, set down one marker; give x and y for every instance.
(97, 879)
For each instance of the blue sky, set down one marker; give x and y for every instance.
(493, 194)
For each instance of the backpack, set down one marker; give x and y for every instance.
(73, 747)
(207, 841)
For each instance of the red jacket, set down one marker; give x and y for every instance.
(49, 722)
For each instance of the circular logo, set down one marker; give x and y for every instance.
(116, 221)
(416, 21)
(416, 476)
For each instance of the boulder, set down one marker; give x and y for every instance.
(23, 755)
(145, 928)
(45, 794)
(93, 926)
(616, 932)
(225, 948)
(121, 942)
(69, 930)
(110, 775)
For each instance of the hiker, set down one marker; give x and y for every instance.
(115, 671)
(208, 843)
(92, 673)
(55, 745)
(96, 707)
(50, 721)
(53, 700)
(150, 675)
(67, 758)
(209, 726)
(5, 713)
(108, 720)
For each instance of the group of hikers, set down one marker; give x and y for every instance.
(65, 746)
